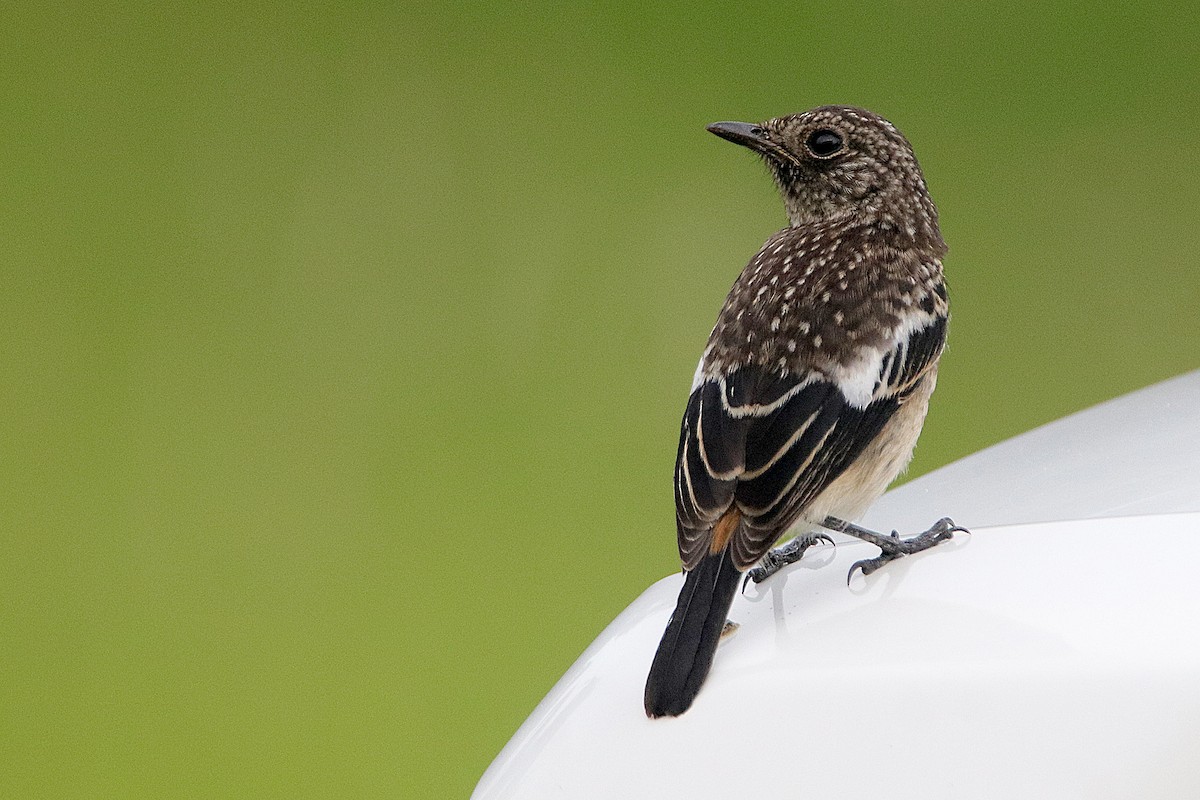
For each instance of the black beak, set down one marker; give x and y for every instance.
(757, 138)
(744, 133)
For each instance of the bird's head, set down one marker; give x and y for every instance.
(839, 160)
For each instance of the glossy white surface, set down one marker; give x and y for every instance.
(1137, 454)
(1054, 660)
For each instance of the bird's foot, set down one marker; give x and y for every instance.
(893, 546)
(780, 557)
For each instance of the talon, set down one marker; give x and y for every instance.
(892, 546)
(950, 526)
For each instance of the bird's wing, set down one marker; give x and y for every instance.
(767, 444)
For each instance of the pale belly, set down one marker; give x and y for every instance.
(848, 497)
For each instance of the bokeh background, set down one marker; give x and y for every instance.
(344, 346)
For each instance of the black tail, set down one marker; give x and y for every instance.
(686, 651)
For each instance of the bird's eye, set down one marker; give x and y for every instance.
(824, 143)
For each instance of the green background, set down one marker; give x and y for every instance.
(344, 346)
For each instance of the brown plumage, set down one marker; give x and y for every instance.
(813, 386)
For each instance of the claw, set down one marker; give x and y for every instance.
(781, 557)
(948, 527)
(866, 567)
(760, 573)
(892, 546)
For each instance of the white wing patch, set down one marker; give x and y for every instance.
(698, 378)
(858, 379)
(863, 381)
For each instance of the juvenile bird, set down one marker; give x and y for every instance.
(813, 387)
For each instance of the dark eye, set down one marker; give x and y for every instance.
(824, 143)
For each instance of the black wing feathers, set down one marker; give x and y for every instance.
(854, 430)
(772, 442)
(721, 436)
(756, 388)
(780, 444)
(905, 365)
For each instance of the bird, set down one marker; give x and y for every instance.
(815, 381)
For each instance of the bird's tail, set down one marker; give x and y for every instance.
(686, 651)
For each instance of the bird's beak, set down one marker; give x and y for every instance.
(743, 133)
(756, 137)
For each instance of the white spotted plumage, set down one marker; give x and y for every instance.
(814, 382)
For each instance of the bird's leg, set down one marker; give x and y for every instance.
(893, 546)
(780, 557)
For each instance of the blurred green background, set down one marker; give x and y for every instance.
(344, 347)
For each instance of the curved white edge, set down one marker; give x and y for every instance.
(1051, 660)
(1137, 454)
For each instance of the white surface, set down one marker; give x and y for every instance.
(1137, 454)
(1054, 660)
